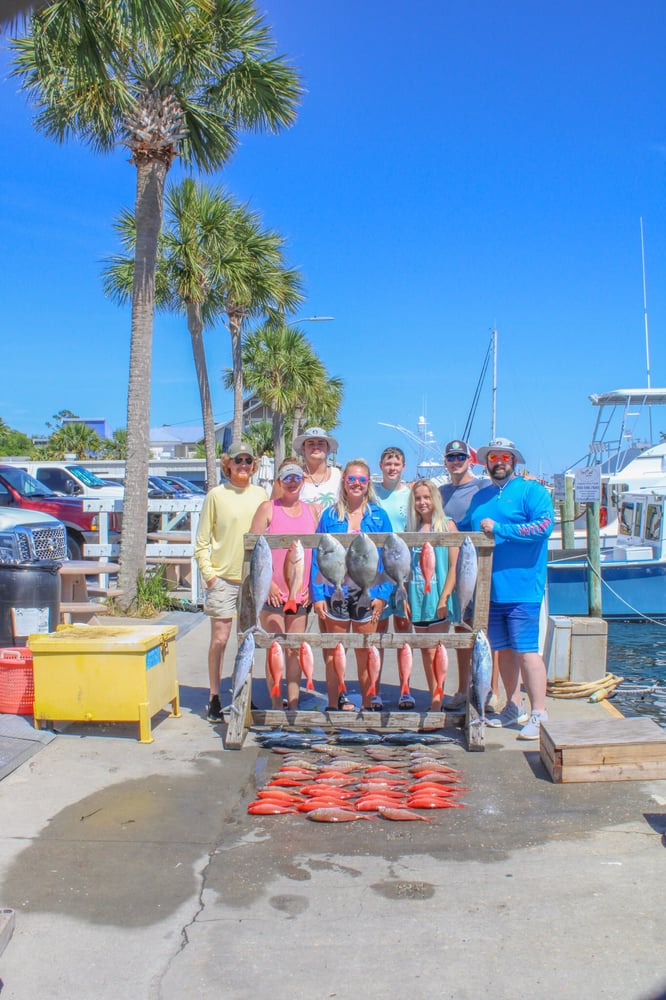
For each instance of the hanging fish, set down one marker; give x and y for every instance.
(276, 667)
(440, 665)
(405, 661)
(481, 674)
(427, 565)
(466, 573)
(294, 571)
(374, 669)
(331, 557)
(242, 668)
(261, 575)
(397, 566)
(340, 665)
(306, 661)
(362, 562)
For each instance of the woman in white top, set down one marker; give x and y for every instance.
(322, 481)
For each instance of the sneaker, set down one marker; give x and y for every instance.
(453, 702)
(533, 728)
(511, 715)
(214, 709)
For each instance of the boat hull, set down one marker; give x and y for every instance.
(629, 591)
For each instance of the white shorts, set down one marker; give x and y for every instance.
(221, 598)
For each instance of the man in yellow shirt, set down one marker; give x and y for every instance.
(226, 516)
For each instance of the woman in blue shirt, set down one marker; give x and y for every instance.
(356, 510)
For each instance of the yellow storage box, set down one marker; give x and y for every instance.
(94, 673)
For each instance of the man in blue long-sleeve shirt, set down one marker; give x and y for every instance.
(518, 514)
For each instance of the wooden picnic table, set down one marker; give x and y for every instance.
(242, 717)
(75, 593)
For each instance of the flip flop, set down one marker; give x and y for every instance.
(406, 703)
(344, 704)
(376, 705)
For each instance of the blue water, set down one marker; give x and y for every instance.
(637, 652)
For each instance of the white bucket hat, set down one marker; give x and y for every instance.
(315, 432)
(499, 444)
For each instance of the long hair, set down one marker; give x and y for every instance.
(440, 522)
(342, 504)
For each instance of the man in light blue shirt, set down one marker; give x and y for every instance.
(393, 494)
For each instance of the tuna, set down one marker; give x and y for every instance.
(242, 668)
(261, 575)
(466, 573)
(332, 566)
(362, 562)
(481, 675)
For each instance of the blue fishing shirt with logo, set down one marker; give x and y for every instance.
(523, 515)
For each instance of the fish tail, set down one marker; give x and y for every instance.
(310, 685)
(439, 692)
(404, 689)
(291, 605)
(342, 687)
(275, 691)
(426, 589)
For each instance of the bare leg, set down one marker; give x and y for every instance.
(533, 671)
(366, 628)
(330, 625)
(509, 668)
(220, 629)
(278, 623)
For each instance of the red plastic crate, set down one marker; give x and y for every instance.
(17, 687)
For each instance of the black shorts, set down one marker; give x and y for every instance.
(348, 610)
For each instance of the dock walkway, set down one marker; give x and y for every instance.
(134, 870)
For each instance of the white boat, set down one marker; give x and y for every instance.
(633, 571)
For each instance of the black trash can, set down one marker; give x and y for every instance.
(29, 601)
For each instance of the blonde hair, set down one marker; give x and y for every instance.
(342, 504)
(226, 462)
(440, 522)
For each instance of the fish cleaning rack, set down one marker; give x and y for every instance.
(242, 716)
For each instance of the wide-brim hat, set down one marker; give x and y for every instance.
(499, 444)
(241, 448)
(315, 432)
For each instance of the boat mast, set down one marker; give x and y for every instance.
(647, 338)
(493, 425)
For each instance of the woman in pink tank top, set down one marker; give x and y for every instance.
(289, 599)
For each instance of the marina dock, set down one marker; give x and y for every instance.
(134, 870)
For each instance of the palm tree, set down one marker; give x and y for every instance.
(185, 85)
(260, 435)
(319, 406)
(280, 366)
(77, 439)
(116, 446)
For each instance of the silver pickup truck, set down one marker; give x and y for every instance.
(30, 538)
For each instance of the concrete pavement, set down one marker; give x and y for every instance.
(134, 870)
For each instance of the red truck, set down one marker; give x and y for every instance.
(20, 491)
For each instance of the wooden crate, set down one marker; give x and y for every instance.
(604, 750)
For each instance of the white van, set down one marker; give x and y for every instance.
(69, 478)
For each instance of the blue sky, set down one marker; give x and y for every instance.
(453, 167)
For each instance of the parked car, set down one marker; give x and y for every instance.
(188, 488)
(30, 538)
(71, 479)
(19, 490)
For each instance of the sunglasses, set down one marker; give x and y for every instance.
(356, 479)
(499, 456)
(292, 478)
(456, 458)
(243, 460)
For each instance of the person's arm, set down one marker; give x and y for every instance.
(202, 541)
(540, 521)
(262, 518)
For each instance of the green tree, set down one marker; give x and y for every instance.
(319, 406)
(260, 435)
(281, 367)
(116, 446)
(13, 442)
(183, 85)
(74, 439)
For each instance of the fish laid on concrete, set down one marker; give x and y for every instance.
(481, 674)
(404, 738)
(294, 572)
(333, 815)
(261, 574)
(331, 559)
(362, 562)
(351, 737)
(466, 573)
(306, 661)
(400, 814)
(265, 807)
(397, 566)
(427, 564)
(374, 669)
(440, 666)
(276, 667)
(242, 667)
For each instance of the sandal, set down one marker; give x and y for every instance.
(406, 703)
(376, 705)
(344, 704)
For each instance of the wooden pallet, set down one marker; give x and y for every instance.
(604, 750)
(242, 717)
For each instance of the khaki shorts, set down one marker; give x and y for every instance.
(221, 599)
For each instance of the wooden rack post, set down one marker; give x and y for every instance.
(241, 715)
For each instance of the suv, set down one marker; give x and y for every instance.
(28, 538)
(20, 491)
(71, 480)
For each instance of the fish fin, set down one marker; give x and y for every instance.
(275, 691)
(439, 692)
(310, 686)
(342, 687)
(290, 605)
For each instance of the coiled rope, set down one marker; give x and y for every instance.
(592, 690)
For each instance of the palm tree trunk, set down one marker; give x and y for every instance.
(195, 326)
(151, 175)
(296, 425)
(278, 439)
(235, 326)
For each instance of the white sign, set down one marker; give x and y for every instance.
(558, 486)
(587, 485)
